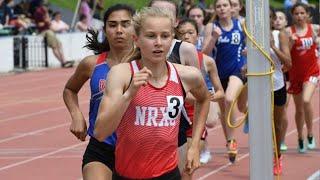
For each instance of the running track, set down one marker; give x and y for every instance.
(35, 142)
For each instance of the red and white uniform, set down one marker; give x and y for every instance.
(190, 113)
(190, 107)
(304, 61)
(147, 136)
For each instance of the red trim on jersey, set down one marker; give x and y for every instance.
(200, 59)
(101, 58)
(184, 91)
(168, 79)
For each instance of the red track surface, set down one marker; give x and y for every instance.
(35, 142)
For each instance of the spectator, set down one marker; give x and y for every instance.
(33, 6)
(86, 10)
(15, 20)
(210, 10)
(185, 6)
(202, 4)
(4, 13)
(22, 11)
(98, 9)
(197, 14)
(42, 20)
(57, 25)
(82, 24)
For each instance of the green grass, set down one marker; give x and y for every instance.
(276, 4)
(68, 4)
(71, 4)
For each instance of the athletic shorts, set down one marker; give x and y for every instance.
(99, 152)
(296, 86)
(280, 97)
(203, 136)
(172, 175)
(286, 76)
(183, 127)
(225, 81)
(190, 112)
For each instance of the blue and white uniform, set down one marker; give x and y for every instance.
(99, 151)
(229, 47)
(97, 86)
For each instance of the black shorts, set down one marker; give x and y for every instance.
(224, 82)
(183, 127)
(280, 96)
(286, 76)
(99, 152)
(172, 175)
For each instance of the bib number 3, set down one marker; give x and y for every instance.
(175, 104)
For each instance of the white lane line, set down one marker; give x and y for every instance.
(45, 98)
(42, 156)
(22, 81)
(242, 157)
(37, 113)
(220, 126)
(315, 176)
(32, 132)
(31, 89)
(51, 157)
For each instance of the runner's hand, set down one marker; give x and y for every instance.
(78, 127)
(193, 160)
(216, 32)
(216, 96)
(139, 79)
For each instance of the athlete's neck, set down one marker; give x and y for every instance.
(301, 26)
(118, 55)
(159, 70)
(226, 23)
(201, 28)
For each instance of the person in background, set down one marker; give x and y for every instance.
(280, 54)
(43, 22)
(4, 13)
(226, 35)
(188, 31)
(57, 25)
(82, 24)
(198, 14)
(86, 10)
(98, 9)
(98, 159)
(202, 4)
(185, 6)
(288, 4)
(237, 9)
(280, 23)
(304, 74)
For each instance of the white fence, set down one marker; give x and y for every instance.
(72, 44)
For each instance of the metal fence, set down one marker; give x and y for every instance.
(30, 52)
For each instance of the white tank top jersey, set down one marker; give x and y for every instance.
(278, 79)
